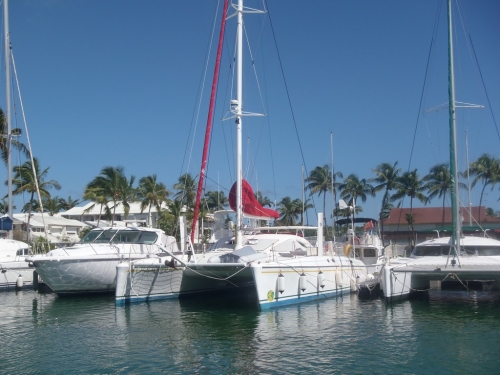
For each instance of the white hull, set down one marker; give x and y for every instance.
(306, 280)
(144, 282)
(10, 272)
(68, 275)
(90, 265)
(147, 280)
(399, 281)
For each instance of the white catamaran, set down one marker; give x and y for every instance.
(456, 258)
(278, 268)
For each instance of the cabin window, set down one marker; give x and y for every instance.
(21, 252)
(91, 236)
(488, 251)
(148, 237)
(370, 253)
(425, 251)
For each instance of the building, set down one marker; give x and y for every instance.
(428, 223)
(91, 213)
(55, 229)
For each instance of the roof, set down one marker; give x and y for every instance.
(36, 220)
(135, 207)
(434, 215)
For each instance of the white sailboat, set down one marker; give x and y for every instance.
(14, 271)
(462, 259)
(277, 268)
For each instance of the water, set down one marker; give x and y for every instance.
(447, 333)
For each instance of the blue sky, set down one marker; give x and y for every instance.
(117, 83)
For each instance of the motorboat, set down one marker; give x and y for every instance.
(89, 266)
(14, 271)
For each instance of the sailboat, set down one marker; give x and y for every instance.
(276, 266)
(458, 259)
(14, 271)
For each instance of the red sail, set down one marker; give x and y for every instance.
(208, 129)
(251, 206)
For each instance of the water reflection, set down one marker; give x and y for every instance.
(443, 333)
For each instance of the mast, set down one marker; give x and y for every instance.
(7, 105)
(453, 139)
(208, 129)
(468, 177)
(238, 111)
(333, 189)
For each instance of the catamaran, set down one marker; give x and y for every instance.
(277, 268)
(458, 258)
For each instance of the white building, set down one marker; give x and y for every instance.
(85, 214)
(55, 229)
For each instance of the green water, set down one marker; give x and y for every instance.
(447, 333)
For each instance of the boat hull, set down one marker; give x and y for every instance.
(10, 273)
(400, 281)
(147, 280)
(302, 280)
(68, 276)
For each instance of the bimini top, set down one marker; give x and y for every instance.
(251, 206)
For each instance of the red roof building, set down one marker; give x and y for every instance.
(428, 221)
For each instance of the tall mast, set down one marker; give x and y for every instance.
(468, 177)
(238, 111)
(7, 104)
(333, 189)
(453, 139)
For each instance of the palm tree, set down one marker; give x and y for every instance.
(4, 206)
(409, 184)
(320, 182)
(52, 205)
(127, 194)
(216, 200)
(186, 190)
(289, 210)
(170, 217)
(109, 184)
(353, 188)
(97, 196)
(69, 203)
(438, 183)
(303, 206)
(152, 193)
(264, 201)
(387, 175)
(26, 179)
(492, 213)
(4, 137)
(487, 170)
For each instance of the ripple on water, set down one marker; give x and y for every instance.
(442, 334)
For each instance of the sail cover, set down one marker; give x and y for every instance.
(251, 206)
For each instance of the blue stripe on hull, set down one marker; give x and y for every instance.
(293, 300)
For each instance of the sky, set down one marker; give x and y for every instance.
(126, 83)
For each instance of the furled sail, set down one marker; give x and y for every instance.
(251, 206)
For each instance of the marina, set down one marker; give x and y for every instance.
(446, 333)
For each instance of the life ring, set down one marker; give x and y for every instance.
(355, 240)
(347, 250)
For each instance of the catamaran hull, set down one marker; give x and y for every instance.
(66, 276)
(401, 281)
(145, 281)
(299, 281)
